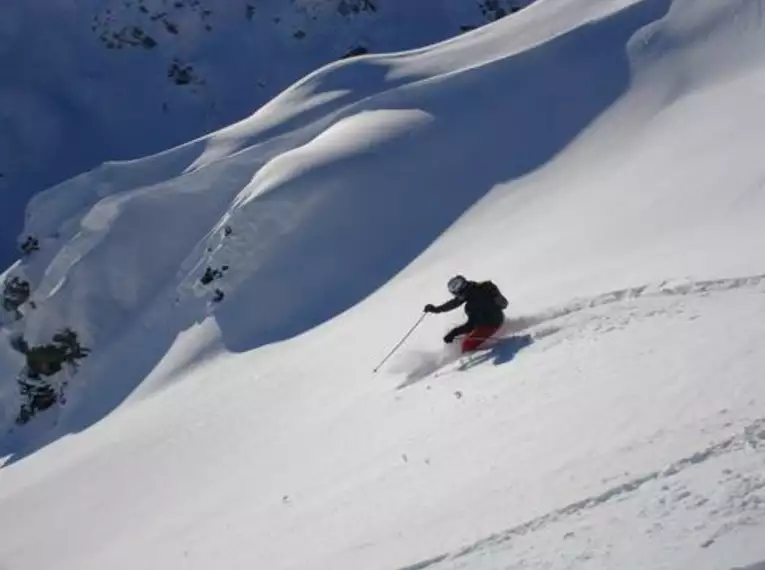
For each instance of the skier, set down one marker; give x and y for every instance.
(483, 306)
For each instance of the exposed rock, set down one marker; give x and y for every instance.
(44, 361)
(494, 10)
(16, 292)
(348, 7)
(170, 27)
(30, 245)
(354, 52)
(181, 74)
(211, 274)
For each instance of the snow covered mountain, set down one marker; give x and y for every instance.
(227, 300)
(89, 81)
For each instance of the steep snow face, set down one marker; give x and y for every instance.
(281, 201)
(115, 79)
(597, 159)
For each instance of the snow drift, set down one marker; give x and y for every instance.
(116, 79)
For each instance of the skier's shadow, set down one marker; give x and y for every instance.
(502, 351)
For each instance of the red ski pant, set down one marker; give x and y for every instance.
(477, 337)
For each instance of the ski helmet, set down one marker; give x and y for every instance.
(456, 285)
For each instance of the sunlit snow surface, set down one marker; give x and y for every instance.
(601, 161)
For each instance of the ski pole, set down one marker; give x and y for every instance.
(406, 336)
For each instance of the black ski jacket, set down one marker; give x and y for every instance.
(481, 306)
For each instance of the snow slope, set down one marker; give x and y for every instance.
(91, 81)
(598, 159)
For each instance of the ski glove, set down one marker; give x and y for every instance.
(449, 338)
(429, 308)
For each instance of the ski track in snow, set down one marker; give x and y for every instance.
(543, 324)
(739, 499)
(664, 289)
